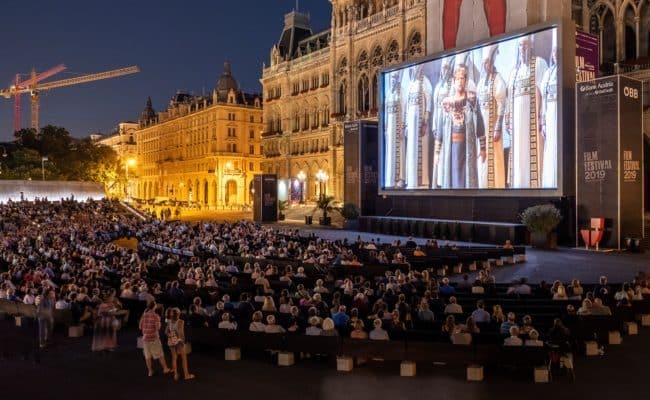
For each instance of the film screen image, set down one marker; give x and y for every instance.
(485, 118)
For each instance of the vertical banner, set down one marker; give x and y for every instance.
(351, 150)
(631, 157)
(265, 207)
(597, 157)
(369, 166)
(587, 56)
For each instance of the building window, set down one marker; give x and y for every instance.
(261, 149)
(363, 94)
(252, 118)
(251, 134)
(251, 166)
(251, 149)
(342, 106)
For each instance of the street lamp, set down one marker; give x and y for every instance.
(322, 178)
(129, 163)
(301, 177)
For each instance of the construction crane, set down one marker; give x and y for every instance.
(33, 86)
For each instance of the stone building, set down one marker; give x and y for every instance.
(201, 149)
(317, 81)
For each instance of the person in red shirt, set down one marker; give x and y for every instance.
(152, 347)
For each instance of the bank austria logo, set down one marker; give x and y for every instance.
(631, 92)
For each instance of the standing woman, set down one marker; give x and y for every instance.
(175, 331)
(104, 335)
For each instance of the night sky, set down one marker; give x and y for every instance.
(178, 45)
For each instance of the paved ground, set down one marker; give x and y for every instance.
(69, 370)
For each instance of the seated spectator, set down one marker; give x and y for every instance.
(586, 307)
(514, 339)
(527, 325)
(61, 303)
(497, 314)
(269, 304)
(395, 323)
(449, 326)
(508, 323)
(446, 289)
(507, 245)
(328, 328)
(558, 334)
(340, 318)
(319, 288)
(480, 315)
(358, 332)
(519, 287)
(625, 293)
(469, 327)
(602, 290)
(453, 307)
(313, 329)
(424, 313)
(226, 323)
(534, 339)
(378, 333)
(560, 293)
(271, 326)
(598, 308)
(418, 252)
(257, 325)
(575, 291)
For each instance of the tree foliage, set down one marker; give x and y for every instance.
(68, 158)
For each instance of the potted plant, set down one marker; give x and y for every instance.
(282, 206)
(326, 205)
(350, 214)
(541, 221)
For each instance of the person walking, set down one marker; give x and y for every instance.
(175, 331)
(152, 347)
(105, 332)
(44, 314)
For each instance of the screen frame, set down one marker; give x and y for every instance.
(506, 193)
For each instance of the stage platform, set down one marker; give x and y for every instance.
(444, 229)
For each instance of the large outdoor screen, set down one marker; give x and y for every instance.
(483, 118)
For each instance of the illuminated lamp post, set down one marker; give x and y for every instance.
(322, 178)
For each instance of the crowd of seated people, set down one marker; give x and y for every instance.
(243, 276)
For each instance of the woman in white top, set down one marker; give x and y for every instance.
(257, 325)
(271, 326)
(226, 323)
(514, 339)
(378, 333)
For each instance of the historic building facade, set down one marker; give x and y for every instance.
(316, 82)
(202, 149)
(122, 141)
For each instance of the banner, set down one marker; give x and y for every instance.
(610, 158)
(351, 173)
(265, 198)
(631, 156)
(587, 56)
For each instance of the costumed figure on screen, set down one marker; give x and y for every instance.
(443, 89)
(491, 94)
(549, 120)
(458, 156)
(417, 111)
(394, 141)
(522, 118)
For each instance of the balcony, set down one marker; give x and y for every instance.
(271, 134)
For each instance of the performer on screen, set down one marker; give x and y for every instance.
(394, 141)
(459, 140)
(417, 111)
(522, 118)
(495, 13)
(549, 120)
(443, 89)
(491, 94)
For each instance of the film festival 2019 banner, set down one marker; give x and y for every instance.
(587, 56)
(609, 157)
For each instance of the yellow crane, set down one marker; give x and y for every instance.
(33, 86)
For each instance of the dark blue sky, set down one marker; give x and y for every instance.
(177, 45)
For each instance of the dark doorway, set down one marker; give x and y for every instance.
(630, 43)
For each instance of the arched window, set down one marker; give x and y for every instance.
(392, 52)
(343, 67)
(375, 92)
(362, 61)
(377, 59)
(363, 94)
(414, 48)
(343, 109)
